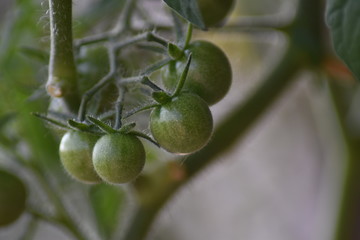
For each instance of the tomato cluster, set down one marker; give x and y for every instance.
(197, 76)
(181, 122)
(115, 158)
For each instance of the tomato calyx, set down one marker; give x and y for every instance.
(161, 97)
(126, 129)
(175, 52)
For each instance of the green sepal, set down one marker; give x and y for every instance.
(161, 97)
(127, 128)
(103, 126)
(83, 127)
(140, 109)
(144, 136)
(51, 121)
(183, 76)
(174, 51)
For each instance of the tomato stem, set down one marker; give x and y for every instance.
(119, 105)
(348, 215)
(104, 81)
(183, 76)
(62, 79)
(140, 109)
(123, 25)
(188, 35)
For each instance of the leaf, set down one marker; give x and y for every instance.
(342, 17)
(107, 201)
(189, 10)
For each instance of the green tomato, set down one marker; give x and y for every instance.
(12, 198)
(76, 156)
(214, 11)
(183, 125)
(118, 157)
(209, 74)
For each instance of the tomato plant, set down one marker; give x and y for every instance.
(112, 72)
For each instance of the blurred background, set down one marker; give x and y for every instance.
(282, 181)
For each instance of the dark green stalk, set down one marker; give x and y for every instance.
(349, 212)
(62, 81)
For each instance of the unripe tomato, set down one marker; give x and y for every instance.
(209, 74)
(214, 11)
(12, 198)
(76, 156)
(118, 157)
(183, 125)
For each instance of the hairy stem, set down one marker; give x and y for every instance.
(62, 71)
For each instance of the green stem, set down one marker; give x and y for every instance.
(182, 79)
(69, 225)
(105, 80)
(152, 37)
(30, 230)
(348, 216)
(146, 81)
(62, 82)
(119, 105)
(123, 24)
(236, 125)
(63, 215)
(188, 35)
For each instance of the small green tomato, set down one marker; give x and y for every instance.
(76, 156)
(183, 125)
(209, 74)
(12, 198)
(118, 157)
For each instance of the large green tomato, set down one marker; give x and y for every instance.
(12, 198)
(214, 11)
(76, 156)
(118, 158)
(209, 74)
(183, 125)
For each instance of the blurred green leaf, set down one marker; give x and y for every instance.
(189, 10)
(107, 201)
(6, 118)
(342, 17)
